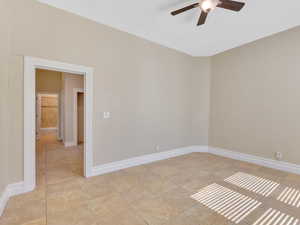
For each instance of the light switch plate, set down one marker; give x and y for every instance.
(106, 115)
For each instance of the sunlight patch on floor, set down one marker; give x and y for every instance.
(275, 217)
(290, 196)
(230, 204)
(252, 183)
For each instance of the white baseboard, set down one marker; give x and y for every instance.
(19, 188)
(123, 164)
(270, 163)
(4, 197)
(140, 160)
(11, 190)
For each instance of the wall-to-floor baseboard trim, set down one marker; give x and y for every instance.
(11, 190)
(19, 188)
(270, 163)
(140, 160)
(3, 200)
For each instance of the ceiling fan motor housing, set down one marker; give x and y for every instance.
(208, 5)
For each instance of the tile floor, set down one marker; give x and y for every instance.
(153, 194)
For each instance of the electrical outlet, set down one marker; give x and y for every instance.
(278, 155)
(157, 147)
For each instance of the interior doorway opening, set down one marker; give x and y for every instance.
(59, 153)
(63, 138)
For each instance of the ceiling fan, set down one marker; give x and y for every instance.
(207, 6)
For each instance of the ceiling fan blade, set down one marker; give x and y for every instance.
(231, 5)
(202, 18)
(184, 9)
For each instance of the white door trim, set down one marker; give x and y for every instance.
(75, 116)
(30, 65)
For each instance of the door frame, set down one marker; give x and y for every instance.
(75, 113)
(30, 66)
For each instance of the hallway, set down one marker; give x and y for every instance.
(56, 165)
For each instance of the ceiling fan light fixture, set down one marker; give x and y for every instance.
(208, 5)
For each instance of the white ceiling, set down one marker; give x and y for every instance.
(223, 30)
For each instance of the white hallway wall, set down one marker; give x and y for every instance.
(71, 81)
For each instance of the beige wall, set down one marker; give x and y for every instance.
(71, 81)
(156, 96)
(4, 86)
(255, 97)
(200, 100)
(146, 87)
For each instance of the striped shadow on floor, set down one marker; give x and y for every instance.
(275, 217)
(252, 183)
(230, 204)
(290, 196)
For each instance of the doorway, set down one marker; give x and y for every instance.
(58, 161)
(30, 66)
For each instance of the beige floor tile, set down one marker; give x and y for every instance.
(96, 190)
(256, 214)
(24, 212)
(193, 216)
(197, 184)
(164, 170)
(68, 200)
(157, 185)
(155, 211)
(123, 181)
(9, 219)
(41, 221)
(216, 219)
(180, 199)
(108, 203)
(72, 184)
(25, 199)
(153, 194)
(125, 217)
(75, 216)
